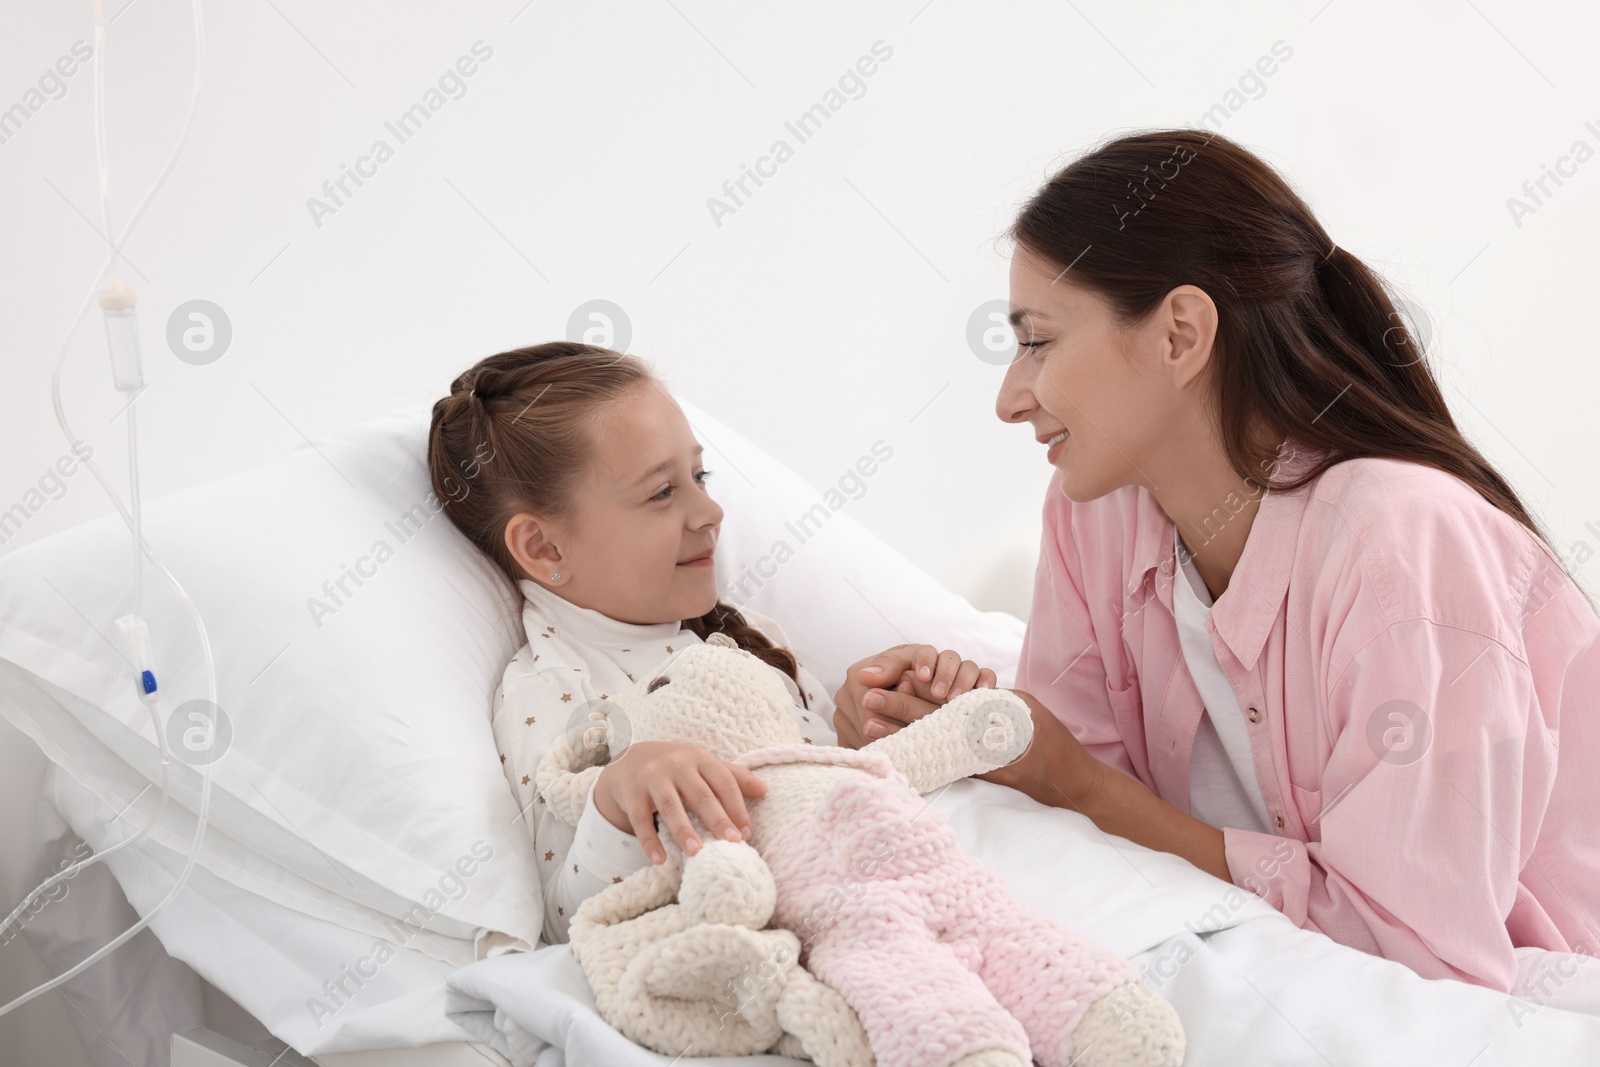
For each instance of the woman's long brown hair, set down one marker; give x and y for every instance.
(1309, 343)
(514, 435)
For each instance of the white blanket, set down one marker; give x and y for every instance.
(1249, 985)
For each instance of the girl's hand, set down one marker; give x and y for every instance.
(663, 776)
(898, 686)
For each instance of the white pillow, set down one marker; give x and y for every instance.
(362, 773)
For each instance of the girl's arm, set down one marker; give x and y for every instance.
(549, 768)
(528, 721)
(601, 854)
(613, 810)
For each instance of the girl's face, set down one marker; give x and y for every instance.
(1119, 395)
(637, 546)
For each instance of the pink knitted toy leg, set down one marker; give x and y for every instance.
(1044, 974)
(920, 1005)
(872, 880)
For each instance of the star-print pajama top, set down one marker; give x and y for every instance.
(575, 657)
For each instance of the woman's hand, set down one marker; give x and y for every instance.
(661, 776)
(897, 687)
(1056, 769)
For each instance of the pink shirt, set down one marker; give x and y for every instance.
(1408, 658)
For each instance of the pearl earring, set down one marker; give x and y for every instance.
(556, 577)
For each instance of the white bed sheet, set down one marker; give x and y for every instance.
(1249, 985)
(1262, 992)
(271, 959)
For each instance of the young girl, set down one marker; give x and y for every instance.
(572, 468)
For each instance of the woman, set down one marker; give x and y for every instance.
(1287, 622)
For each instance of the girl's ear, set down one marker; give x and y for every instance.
(528, 544)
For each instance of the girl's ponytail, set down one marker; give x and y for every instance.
(725, 619)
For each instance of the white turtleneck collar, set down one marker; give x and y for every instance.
(587, 625)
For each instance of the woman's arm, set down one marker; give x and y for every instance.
(1090, 767)
(1057, 770)
(1427, 810)
(1443, 758)
(1060, 772)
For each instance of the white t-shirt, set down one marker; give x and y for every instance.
(1223, 788)
(575, 656)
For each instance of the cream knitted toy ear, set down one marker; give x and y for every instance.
(700, 976)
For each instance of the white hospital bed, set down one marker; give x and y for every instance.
(361, 766)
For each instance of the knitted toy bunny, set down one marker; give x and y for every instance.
(942, 966)
(700, 976)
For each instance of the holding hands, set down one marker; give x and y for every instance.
(880, 695)
(898, 686)
(883, 693)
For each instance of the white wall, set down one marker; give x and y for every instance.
(829, 310)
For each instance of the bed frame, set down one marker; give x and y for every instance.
(201, 1047)
(206, 1048)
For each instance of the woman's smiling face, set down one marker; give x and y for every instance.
(1110, 390)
